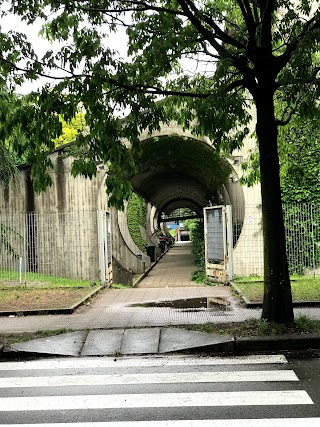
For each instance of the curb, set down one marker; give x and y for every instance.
(277, 342)
(235, 347)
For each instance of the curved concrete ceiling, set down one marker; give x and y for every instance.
(177, 172)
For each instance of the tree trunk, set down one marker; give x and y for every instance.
(277, 302)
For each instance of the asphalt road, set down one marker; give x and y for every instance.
(250, 391)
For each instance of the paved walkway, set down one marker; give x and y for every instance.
(173, 270)
(127, 308)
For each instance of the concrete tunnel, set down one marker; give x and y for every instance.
(176, 171)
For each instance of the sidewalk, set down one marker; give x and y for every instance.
(173, 270)
(168, 282)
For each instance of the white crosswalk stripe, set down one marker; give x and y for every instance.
(154, 400)
(247, 422)
(143, 361)
(178, 377)
(71, 388)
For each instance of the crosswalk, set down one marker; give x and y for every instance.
(172, 391)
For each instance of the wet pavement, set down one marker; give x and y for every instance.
(159, 302)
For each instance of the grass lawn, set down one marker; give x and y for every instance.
(260, 327)
(8, 279)
(304, 288)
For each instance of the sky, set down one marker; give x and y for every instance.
(41, 45)
(116, 41)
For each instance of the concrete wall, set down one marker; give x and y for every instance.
(59, 226)
(248, 252)
(130, 254)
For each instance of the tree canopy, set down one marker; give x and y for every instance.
(208, 62)
(299, 155)
(210, 52)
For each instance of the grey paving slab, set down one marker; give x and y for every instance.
(140, 341)
(102, 343)
(175, 339)
(65, 345)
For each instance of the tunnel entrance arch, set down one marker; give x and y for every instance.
(175, 171)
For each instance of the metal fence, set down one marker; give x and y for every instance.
(78, 244)
(302, 225)
(72, 245)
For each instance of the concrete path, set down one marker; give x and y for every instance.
(173, 270)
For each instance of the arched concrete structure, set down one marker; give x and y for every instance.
(178, 171)
(173, 174)
(183, 171)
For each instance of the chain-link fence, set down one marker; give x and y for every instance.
(35, 246)
(76, 244)
(302, 225)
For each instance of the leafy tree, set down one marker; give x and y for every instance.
(71, 129)
(28, 131)
(300, 161)
(245, 53)
(300, 176)
(8, 160)
(8, 169)
(299, 154)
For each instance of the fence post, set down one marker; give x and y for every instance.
(313, 241)
(24, 217)
(101, 248)
(229, 241)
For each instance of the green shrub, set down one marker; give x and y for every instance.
(198, 250)
(136, 217)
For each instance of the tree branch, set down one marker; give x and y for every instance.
(27, 71)
(236, 84)
(309, 80)
(218, 33)
(153, 90)
(249, 19)
(135, 6)
(266, 23)
(286, 116)
(311, 25)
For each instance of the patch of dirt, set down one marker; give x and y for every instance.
(41, 299)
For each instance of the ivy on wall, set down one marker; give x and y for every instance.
(136, 217)
(299, 154)
(198, 250)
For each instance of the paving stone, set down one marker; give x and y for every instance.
(174, 339)
(65, 345)
(102, 343)
(140, 341)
